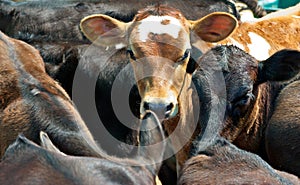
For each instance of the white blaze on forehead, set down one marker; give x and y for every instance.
(153, 24)
(259, 47)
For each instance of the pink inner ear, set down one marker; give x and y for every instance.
(215, 27)
(220, 25)
(100, 26)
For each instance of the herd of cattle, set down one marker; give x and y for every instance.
(218, 92)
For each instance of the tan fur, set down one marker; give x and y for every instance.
(22, 65)
(13, 110)
(280, 32)
(158, 58)
(230, 166)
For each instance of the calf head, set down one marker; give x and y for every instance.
(243, 75)
(158, 41)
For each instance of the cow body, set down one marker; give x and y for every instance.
(214, 159)
(31, 101)
(263, 37)
(251, 91)
(159, 58)
(32, 164)
(282, 132)
(223, 163)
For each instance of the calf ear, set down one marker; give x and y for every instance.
(47, 144)
(104, 30)
(283, 65)
(215, 26)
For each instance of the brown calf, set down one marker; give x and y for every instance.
(31, 101)
(263, 37)
(158, 43)
(26, 163)
(223, 163)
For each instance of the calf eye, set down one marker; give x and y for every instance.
(131, 54)
(241, 104)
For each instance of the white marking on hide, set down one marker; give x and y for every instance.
(296, 16)
(152, 24)
(247, 16)
(120, 46)
(259, 47)
(237, 44)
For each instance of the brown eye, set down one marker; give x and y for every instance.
(131, 54)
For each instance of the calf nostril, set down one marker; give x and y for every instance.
(169, 108)
(146, 106)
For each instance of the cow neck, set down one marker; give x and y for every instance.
(256, 120)
(233, 129)
(181, 128)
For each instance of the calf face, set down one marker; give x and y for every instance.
(242, 83)
(158, 43)
(243, 75)
(251, 90)
(48, 28)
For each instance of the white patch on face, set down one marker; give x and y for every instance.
(259, 47)
(152, 24)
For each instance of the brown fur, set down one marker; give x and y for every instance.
(251, 100)
(32, 101)
(160, 63)
(282, 31)
(223, 163)
(283, 131)
(32, 164)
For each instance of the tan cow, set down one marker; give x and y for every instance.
(263, 37)
(159, 43)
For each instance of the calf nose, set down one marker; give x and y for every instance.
(161, 109)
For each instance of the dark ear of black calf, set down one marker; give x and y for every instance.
(281, 66)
